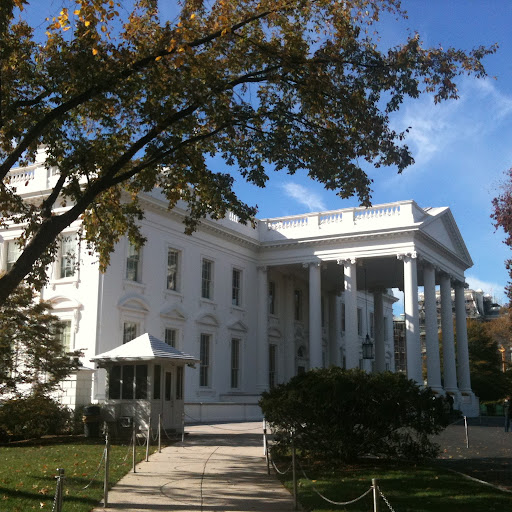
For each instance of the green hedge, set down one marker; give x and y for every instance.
(344, 414)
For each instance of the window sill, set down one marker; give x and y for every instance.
(175, 294)
(65, 281)
(134, 284)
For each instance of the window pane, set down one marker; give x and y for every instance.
(206, 279)
(141, 381)
(179, 383)
(65, 335)
(157, 381)
(114, 383)
(127, 388)
(13, 253)
(204, 355)
(235, 362)
(272, 353)
(129, 331)
(272, 297)
(170, 337)
(67, 256)
(298, 305)
(359, 321)
(235, 289)
(172, 269)
(132, 263)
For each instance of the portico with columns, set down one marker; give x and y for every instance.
(346, 262)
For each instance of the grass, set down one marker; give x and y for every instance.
(27, 473)
(408, 488)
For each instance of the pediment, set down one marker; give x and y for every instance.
(274, 332)
(62, 302)
(133, 303)
(238, 326)
(208, 319)
(174, 313)
(444, 230)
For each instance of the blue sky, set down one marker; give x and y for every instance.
(461, 148)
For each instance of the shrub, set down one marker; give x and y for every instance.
(33, 416)
(343, 414)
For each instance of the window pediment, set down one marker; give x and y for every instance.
(238, 326)
(208, 319)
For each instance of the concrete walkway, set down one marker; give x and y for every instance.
(219, 468)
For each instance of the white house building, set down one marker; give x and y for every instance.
(257, 306)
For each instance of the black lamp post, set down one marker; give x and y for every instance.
(367, 343)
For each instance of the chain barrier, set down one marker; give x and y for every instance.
(97, 471)
(341, 503)
(128, 451)
(57, 500)
(156, 436)
(144, 438)
(195, 420)
(385, 500)
(276, 468)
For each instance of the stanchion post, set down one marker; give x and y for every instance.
(59, 493)
(375, 487)
(264, 436)
(134, 451)
(107, 471)
(182, 427)
(466, 430)
(159, 433)
(294, 473)
(149, 436)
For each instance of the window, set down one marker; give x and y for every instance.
(343, 317)
(204, 355)
(129, 331)
(272, 365)
(235, 362)
(13, 253)
(236, 283)
(170, 337)
(67, 256)
(207, 279)
(179, 382)
(132, 263)
(172, 269)
(372, 325)
(128, 381)
(297, 305)
(64, 334)
(359, 321)
(141, 381)
(272, 298)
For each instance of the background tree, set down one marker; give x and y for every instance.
(32, 359)
(124, 101)
(488, 380)
(502, 217)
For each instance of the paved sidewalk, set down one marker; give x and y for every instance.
(219, 468)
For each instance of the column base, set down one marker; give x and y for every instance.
(469, 404)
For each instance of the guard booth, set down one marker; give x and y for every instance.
(145, 379)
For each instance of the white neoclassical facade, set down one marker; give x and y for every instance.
(257, 306)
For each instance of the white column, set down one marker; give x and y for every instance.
(262, 349)
(351, 337)
(378, 318)
(289, 349)
(412, 324)
(315, 316)
(334, 329)
(464, 379)
(431, 331)
(449, 367)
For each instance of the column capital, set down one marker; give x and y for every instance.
(262, 268)
(412, 255)
(344, 261)
(308, 264)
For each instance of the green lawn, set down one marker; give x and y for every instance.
(408, 488)
(27, 473)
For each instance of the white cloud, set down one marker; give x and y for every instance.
(311, 200)
(494, 289)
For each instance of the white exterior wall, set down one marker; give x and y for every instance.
(99, 305)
